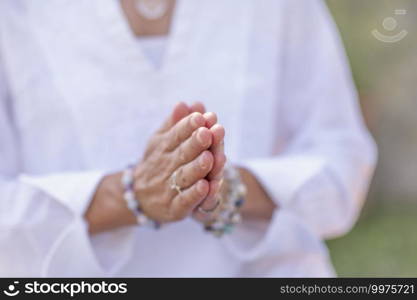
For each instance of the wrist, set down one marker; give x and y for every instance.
(258, 204)
(107, 209)
(228, 214)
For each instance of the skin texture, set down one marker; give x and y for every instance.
(143, 27)
(191, 143)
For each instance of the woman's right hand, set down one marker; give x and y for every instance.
(180, 146)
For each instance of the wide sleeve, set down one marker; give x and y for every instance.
(321, 174)
(42, 227)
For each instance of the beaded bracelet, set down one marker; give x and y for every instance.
(229, 215)
(132, 203)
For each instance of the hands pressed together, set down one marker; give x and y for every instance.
(191, 145)
(187, 152)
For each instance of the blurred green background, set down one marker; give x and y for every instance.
(384, 242)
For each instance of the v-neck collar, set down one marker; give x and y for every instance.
(120, 35)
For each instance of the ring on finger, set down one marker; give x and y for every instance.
(173, 182)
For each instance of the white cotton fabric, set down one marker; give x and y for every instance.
(79, 99)
(154, 49)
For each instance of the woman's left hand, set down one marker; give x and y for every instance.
(258, 205)
(215, 177)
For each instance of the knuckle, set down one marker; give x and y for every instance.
(181, 178)
(171, 167)
(177, 136)
(192, 116)
(176, 139)
(194, 142)
(208, 162)
(165, 143)
(196, 167)
(196, 194)
(195, 119)
(210, 157)
(182, 157)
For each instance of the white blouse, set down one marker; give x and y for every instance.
(79, 99)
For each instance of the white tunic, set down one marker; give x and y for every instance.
(154, 48)
(79, 99)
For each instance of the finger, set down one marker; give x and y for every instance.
(199, 141)
(180, 111)
(217, 149)
(198, 107)
(218, 134)
(184, 203)
(220, 160)
(212, 210)
(211, 119)
(183, 129)
(212, 197)
(197, 169)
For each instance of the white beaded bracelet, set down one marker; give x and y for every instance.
(131, 202)
(229, 215)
